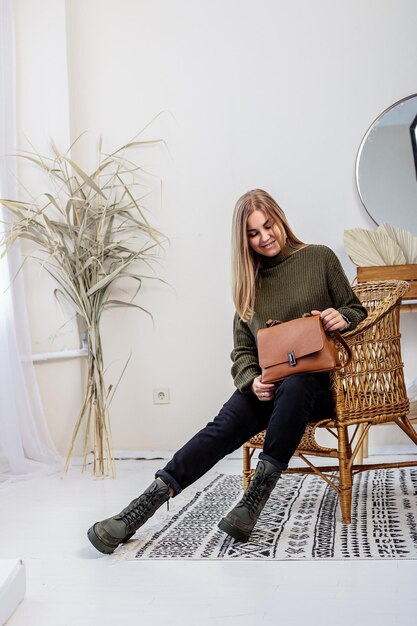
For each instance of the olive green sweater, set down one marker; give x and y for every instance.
(287, 287)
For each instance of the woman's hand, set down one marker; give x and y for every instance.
(331, 319)
(263, 391)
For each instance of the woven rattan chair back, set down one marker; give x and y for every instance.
(368, 391)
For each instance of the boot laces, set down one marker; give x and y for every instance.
(254, 494)
(139, 509)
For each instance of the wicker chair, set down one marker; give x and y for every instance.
(368, 391)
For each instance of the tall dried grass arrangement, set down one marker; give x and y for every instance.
(89, 231)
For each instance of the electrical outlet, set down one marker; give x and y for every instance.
(161, 395)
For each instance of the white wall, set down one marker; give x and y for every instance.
(269, 94)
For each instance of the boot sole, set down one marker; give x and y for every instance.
(97, 543)
(233, 531)
(100, 545)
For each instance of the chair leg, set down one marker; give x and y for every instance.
(363, 453)
(405, 425)
(246, 466)
(345, 474)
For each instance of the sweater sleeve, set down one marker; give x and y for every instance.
(244, 356)
(343, 297)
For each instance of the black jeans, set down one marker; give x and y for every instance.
(299, 399)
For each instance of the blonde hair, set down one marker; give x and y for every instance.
(246, 263)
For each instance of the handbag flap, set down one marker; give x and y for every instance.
(301, 336)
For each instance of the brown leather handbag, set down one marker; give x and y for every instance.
(299, 346)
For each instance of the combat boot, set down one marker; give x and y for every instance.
(111, 532)
(240, 521)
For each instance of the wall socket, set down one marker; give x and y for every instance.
(161, 395)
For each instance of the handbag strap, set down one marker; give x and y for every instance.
(337, 335)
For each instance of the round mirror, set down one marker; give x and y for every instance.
(386, 166)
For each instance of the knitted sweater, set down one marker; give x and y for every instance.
(310, 278)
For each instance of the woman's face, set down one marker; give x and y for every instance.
(263, 234)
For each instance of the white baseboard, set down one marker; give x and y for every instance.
(12, 587)
(145, 455)
(400, 449)
(166, 455)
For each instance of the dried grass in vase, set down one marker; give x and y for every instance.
(89, 231)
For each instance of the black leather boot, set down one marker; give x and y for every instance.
(109, 533)
(240, 521)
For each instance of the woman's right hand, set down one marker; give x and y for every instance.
(263, 391)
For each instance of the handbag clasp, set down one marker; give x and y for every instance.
(271, 323)
(291, 359)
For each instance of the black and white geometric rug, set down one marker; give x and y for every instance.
(300, 521)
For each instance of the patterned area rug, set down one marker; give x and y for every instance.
(300, 521)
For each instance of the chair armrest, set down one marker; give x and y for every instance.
(384, 307)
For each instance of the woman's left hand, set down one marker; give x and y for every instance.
(331, 319)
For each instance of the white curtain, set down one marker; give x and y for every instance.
(26, 448)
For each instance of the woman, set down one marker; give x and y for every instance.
(277, 276)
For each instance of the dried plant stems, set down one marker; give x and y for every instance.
(89, 231)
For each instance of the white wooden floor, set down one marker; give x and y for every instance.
(44, 522)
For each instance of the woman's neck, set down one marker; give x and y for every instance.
(271, 261)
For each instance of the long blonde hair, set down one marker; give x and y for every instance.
(245, 263)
